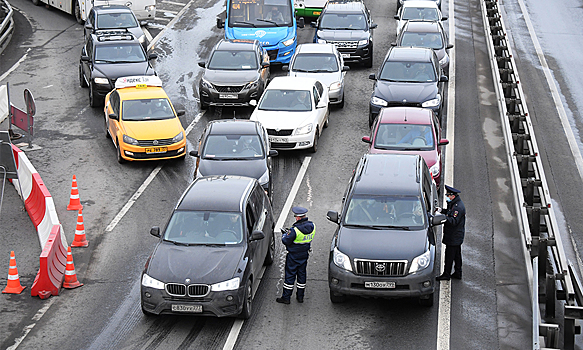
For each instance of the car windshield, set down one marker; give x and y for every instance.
(260, 13)
(147, 109)
(233, 60)
(350, 21)
(120, 53)
(227, 147)
(420, 13)
(428, 40)
(115, 20)
(405, 137)
(411, 72)
(204, 227)
(286, 100)
(315, 63)
(385, 212)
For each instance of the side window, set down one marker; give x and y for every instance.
(258, 199)
(316, 96)
(250, 218)
(114, 100)
(320, 88)
(89, 50)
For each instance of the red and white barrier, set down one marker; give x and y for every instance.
(53, 261)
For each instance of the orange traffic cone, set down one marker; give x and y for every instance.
(80, 238)
(13, 286)
(70, 281)
(74, 202)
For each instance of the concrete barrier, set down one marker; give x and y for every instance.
(53, 261)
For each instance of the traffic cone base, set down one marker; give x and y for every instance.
(70, 281)
(74, 202)
(13, 286)
(80, 238)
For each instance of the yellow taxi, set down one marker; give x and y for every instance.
(142, 122)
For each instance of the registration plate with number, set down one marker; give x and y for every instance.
(229, 96)
(278, 139)
(379, 284)
(345, 55)
(187, 308)
(156, 150)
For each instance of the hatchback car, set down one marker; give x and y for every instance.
(408, 130)
(107, 17)
(429, 35)
(294, 111)
(235, 147)
(418, 10)
(237, 72)
(409, 76)
(141, 121)
(324, 63)
(210, 254)
(349, 26)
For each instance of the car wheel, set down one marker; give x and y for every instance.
(337, 297)
(326, 122)
(120, 159)
(82, 81)
(341, 104)
(247, 301)
(314, 147)
(107, 135)
(77, 13)
(270, 251)
(426, 300)
(92, 99)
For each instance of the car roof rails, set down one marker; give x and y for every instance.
(113, 34)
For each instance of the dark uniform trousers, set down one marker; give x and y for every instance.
(453, 254)
(295, 265)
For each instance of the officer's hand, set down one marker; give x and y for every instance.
(437, 210)
(283, 231)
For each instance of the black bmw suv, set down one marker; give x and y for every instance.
(348, 25)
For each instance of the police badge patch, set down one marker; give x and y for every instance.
(455, 214)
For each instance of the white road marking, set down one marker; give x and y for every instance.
(236, 328)
(152, 42)
(172, 3)
(28, 328)
(14, 66)
(147, 34)
(444, 312)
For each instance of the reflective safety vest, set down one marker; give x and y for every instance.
(302, 238)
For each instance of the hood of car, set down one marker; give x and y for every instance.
(230, 77)
(152, 129)
(382, 244)
(116, 70)
(325, 78)
(430, 157)
(405, 92)
(282, 119)
(201, 264)
(342, 35)
(250, 168)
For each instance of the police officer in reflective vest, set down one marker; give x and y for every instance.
(297, 240)
(453, 234)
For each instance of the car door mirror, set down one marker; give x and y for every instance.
(322, 104)
(345, 68)
(333, 216)
(113, 116)
(180, 112)
(273, 153)
(220, 23)
(372, 77)
(443, 79)
(152, 56)
(201, 64)
(444, 18)
(155, 231)
(193, 153)
(314, 24)
(438, 219)
(265, 65)
(253, 103)
(449, 46)
(285, 67)
(443, 142)
(366, 139)
(257, 235)
(301, 22)
(373, 26)
(393, 44)
(88, 26)
(85, 59)
(396, 17)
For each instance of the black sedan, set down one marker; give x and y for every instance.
(235, 147)
(409, 76)
(211, 253)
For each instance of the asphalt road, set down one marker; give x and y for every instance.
(490, 308)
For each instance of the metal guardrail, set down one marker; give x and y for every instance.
(553, 278)
(7, 26)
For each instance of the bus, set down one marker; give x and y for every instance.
(309, 8)
(271, 22)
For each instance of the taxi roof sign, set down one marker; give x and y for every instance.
(138, 81)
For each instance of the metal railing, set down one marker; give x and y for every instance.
(7, 26)
(552, 277)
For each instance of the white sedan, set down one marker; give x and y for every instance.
(294, 111)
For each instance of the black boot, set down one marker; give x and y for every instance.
(282, 300)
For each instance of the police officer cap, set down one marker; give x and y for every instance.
(451, 190)
(299, 211)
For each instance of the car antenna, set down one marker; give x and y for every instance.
(234, 116)
(405, 115)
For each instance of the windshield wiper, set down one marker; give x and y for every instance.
(373, 227)
(177, 243)
(300, 70)
(214, 244)
(247, 23)
(406, 228)
(320, 71)
(268, 21)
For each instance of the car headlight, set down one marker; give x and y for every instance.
(306, 129)
(130, 140)
(288, 42)
(421, 262)
(432, 103)
(205, 83)
(252, 84)
(321, 41)
(362, 42)
(335, 86)
(378, 101)
(178, 137)
(434, 170)
(142, 39)
(101, 80)
(264, 179)
(231, 284)
(148, 281)
(341, 260)
(150, 8)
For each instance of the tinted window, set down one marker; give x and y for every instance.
(147, 109)
(315, 63)
(356, 21)
(404, 137)
(198, 227)
(419, 72)
(233, 147)
(116, 20)
(122, 53)
(229, 60)
(428, 40)
(428, 14)
(385, 211)
(286, 100)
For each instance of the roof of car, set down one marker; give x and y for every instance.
(344, 6)
(400, 53)
(397, 174)
(133, 93)
(216, 193)
(111, 8)
(415, 3)
(291, 83)
(236, 44)
(406, 115)
(422, 27)
(315, 48)
(234, 127)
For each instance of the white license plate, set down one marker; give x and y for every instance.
(150, 150)
(379, 284)
(345, 55)
(229, 96)
(187, 308)
(278, 139)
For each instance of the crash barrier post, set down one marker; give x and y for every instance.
(6, 27)
(551, 275)
(13, 286)
(53, 261)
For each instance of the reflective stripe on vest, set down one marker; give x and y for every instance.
(301, 238)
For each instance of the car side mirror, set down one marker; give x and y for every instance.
(180, 112)
(449, 46)
(220, 23)
(345, 68)
(152, 56)
(396, 17)
(438, 219)
(193, 153)
(201, 64)
(273, 153)
(88, 26)
(366, 139)
(443, 79)
(155, 231)
(443, 142)
(285, 67)
(113, 116)
(265, 65)
(253, 103)
(301, 22)
(257, 235)
(393, 44)
(314, 24)
(373, 26)
(322, 104)
(372, 76)
(333, 216)
(444, 18)
(85, 59)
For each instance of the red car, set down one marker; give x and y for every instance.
(408, 130)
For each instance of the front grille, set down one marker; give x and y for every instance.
(176, 289)
(143, 155)
(220, 88)
(380, 268)
(150, 143)
(281, 145)
(284, 132)
(345, 44)
(198, 290)
(406, 104)
(272, 54)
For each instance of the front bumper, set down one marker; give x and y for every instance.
(335, 96)
(131, 152)
(292, 142)
(241, 98)
(214, 304)
(280, 53)
(357, 55)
